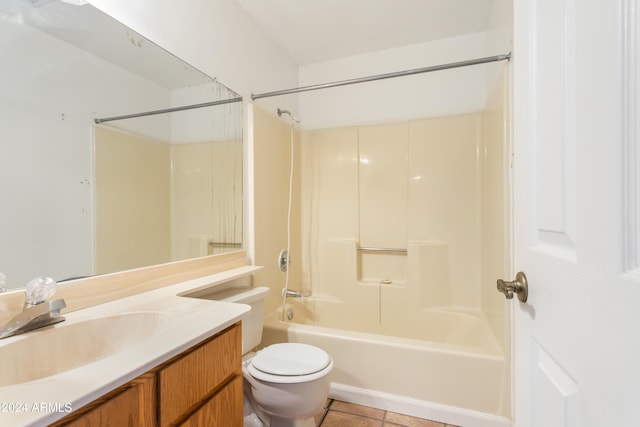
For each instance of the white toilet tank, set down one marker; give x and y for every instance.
(252, 323)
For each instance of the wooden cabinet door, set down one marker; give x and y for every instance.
(186, 381)
(130, 405)
(224, 409)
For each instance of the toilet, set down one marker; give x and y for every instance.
(285, 384)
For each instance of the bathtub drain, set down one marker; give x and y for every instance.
(290, 313)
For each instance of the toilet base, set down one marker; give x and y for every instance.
(252, 420)
(280, 422)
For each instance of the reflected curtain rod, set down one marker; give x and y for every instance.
(168, 110)
(487, 59)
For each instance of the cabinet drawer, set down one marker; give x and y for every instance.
(186, 381)
(129, 405)
(224, 409)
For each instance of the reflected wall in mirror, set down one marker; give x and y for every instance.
(80, 198)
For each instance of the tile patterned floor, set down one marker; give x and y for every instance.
(342, 414)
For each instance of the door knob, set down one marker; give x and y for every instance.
(519, 286)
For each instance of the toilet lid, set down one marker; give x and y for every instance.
(291, 359)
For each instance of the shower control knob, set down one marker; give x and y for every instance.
(284, 260)
(518, 286)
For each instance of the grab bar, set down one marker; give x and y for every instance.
(395, 250)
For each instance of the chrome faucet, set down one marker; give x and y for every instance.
(33, 317)
(290, 293)
(295, 294)
(38, 310)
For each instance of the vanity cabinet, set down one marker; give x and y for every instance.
(132, 404)
(202, 378)
(201, 386)
(220, 409)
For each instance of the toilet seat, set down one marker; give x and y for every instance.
(290, 363)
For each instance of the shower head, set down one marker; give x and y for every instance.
(287, 112)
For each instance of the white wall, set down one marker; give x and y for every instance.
(499, 39)
(441, 93)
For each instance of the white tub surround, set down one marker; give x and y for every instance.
(178, 324)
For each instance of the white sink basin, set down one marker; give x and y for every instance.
(69, 345)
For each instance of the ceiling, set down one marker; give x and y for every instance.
(319, 30)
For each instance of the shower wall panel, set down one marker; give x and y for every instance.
(383, 155)
(206, 211)
(444, 198)
(412, 185)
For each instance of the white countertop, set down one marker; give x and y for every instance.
(183, 323)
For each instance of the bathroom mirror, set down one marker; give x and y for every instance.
(79, 198)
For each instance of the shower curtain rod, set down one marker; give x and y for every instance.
(169, 110)
(496, 58)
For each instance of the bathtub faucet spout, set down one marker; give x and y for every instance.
(295, 294)
(289, 293)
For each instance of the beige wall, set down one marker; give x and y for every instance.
(131, 201)
(272, 156)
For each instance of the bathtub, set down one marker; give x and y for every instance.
(455, 373)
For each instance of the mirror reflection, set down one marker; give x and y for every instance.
(81, 198)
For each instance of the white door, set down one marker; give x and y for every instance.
(577, 212)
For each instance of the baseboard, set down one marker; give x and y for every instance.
(417, 408)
